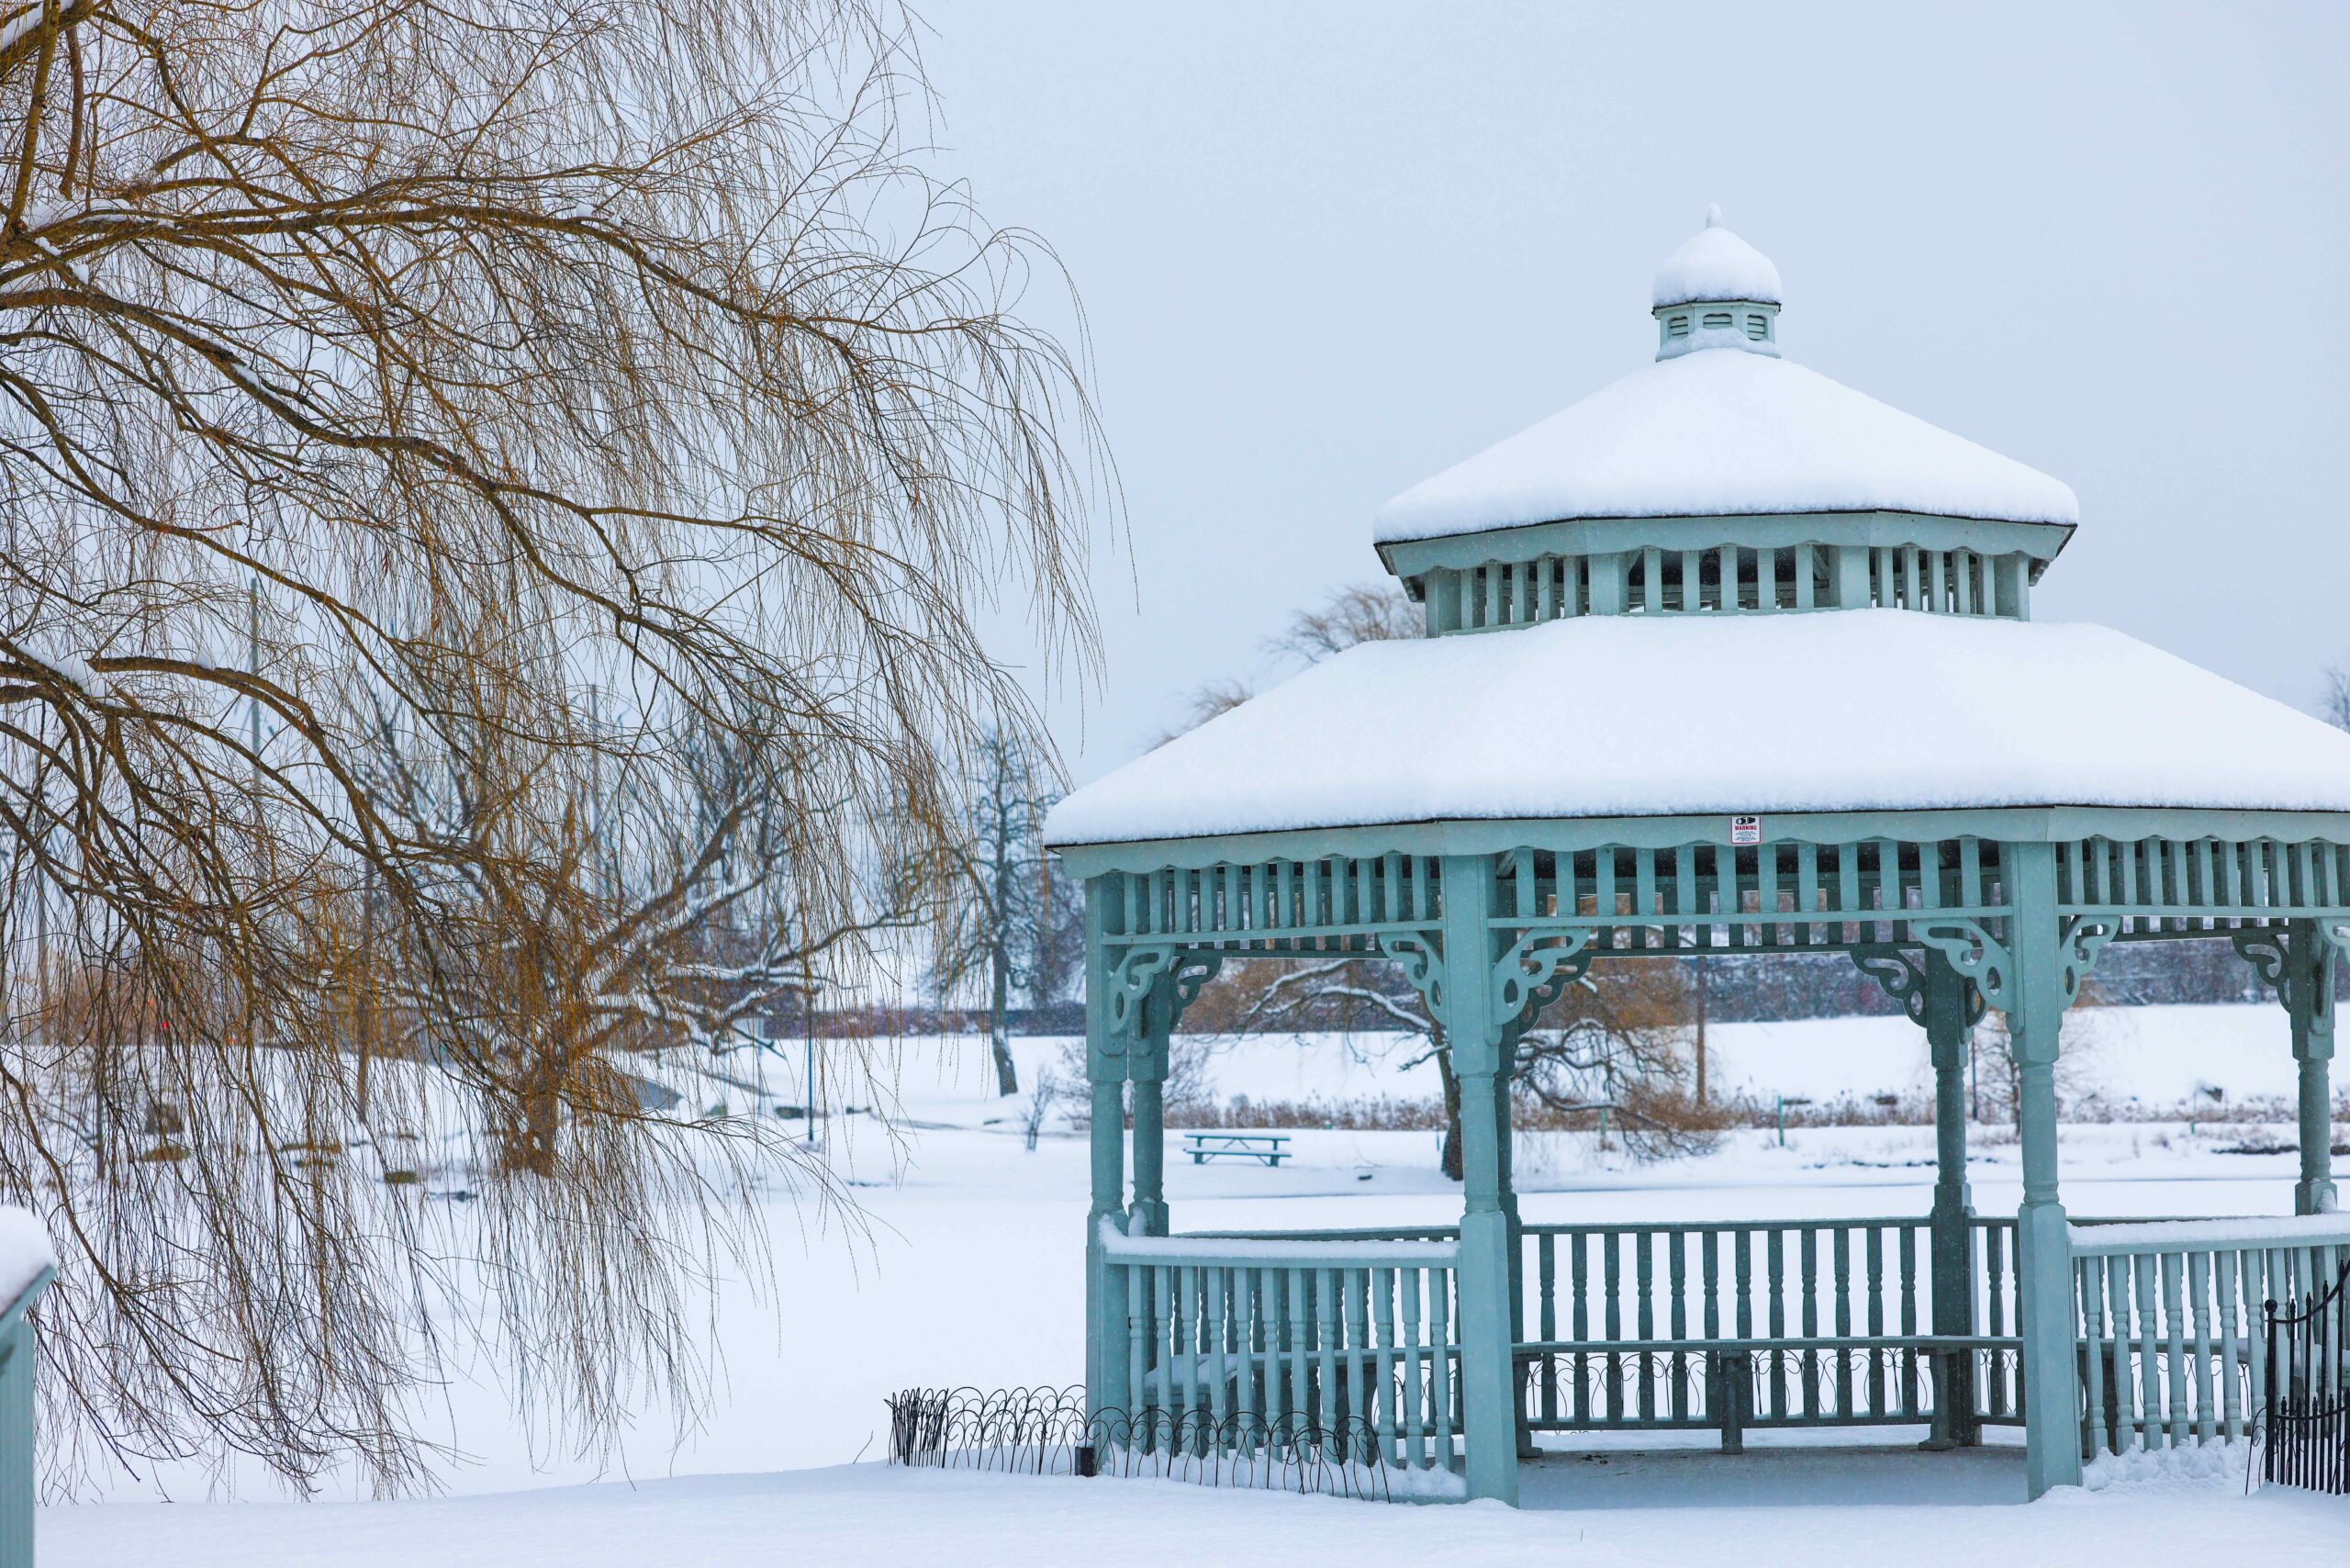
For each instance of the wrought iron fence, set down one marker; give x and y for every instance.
(1046, 1431)
(2305, 1429)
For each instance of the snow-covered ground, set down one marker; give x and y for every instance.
(967, 1270)
(1784, 1509)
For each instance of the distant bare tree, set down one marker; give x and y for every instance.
(1010, 914)
(1360, 613)
(2335, 706)
(378, 381)
(1618, 1038)
(1375, 612)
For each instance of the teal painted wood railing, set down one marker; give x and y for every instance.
(1231, 1338)
(18, 1473)
(1755, 1323)
(2169, 1317)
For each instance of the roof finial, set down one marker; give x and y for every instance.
(1713, 215)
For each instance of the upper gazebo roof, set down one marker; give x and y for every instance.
(1714, 263)
(1721, 426)
(1601, 717)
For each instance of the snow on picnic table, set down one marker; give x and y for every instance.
(851, 1517)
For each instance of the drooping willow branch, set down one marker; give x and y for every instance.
(497, 502)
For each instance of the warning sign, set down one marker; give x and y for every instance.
(1746, 830)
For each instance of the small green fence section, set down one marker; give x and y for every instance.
(1339, 1333)
(2169, 1315)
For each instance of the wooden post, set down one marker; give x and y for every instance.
(1950, 1227)
(2307, 985)
(1105, 1307)
(17, 1473)
(1147, 1069)
(1488, 1346)
(2035, 1011)
(1504, 1144)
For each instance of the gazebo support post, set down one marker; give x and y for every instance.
(1488, 1322)
(1105, 1307)
(1504, 1143)
(1147, 1070)
(2309, 997)
(2037, 994)
(1948, 1032)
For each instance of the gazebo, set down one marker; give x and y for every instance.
(1725, 657)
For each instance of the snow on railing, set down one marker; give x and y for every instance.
(2169, 1322)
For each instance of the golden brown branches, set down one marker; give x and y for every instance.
(495, 504)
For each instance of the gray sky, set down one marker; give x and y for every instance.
(1327, 250)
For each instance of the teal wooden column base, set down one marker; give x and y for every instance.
(2051, 1381)
(1488, 1378)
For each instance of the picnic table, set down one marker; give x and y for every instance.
(1270, 1148)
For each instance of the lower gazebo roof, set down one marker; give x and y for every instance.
(1849, 710)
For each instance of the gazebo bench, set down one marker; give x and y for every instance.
(1270, 1148)
(1729, 1367)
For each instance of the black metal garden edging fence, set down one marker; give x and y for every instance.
(1046, 1432)
(2305, 1431)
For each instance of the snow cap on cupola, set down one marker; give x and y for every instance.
(1715, 291)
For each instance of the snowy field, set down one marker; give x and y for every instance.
(967, 1270)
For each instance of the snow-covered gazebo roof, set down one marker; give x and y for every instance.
(1628, 716)
(1603, 642)
(1708, 434)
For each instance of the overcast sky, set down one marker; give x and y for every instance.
(1327, 250)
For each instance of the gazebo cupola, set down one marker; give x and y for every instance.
(1723, 478)
(1717, 292)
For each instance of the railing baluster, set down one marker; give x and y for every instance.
(1546, 1254)
(1326, 1331)
(1844, 1368)
(1381, 1286)
(2226, 1271)
(1644, 1271)
(1873, 1239)
(1296, 1330)
(1440, 1378)
(1810, 1318)
(2089, 1276)
(2147, 1323)
(1677, 1274)
(1407, 1281)
(1139, 1327)
(2117, 1299)
(1610, 1270)
(1579, 1402)
(2199, 1292)
(1354, 1283)
(1215, 1327)
(1907, 1237)
(2174, 1303)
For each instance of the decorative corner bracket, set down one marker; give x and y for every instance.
(1420, 955)
(1976, 953)
(2265, 948)
(1973, 951)
(2086, 935)
(1898, 974)
(2269, 950)
(1132, 979)
(1190, 976)
(1902, 976)
(1538, 966)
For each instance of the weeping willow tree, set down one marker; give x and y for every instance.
(429, 433)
